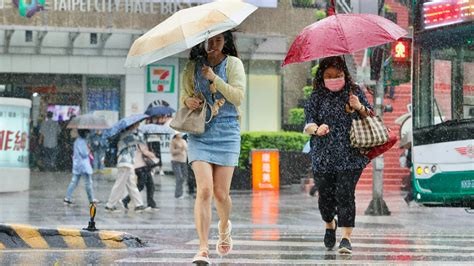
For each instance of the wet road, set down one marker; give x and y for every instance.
(269, 228)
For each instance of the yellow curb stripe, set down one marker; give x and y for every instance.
(72, 237)
(112, 239)
(30, 235)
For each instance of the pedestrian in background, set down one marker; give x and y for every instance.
(49, 131)
(98, 145)
(337, 166)
(178, 149)
(215, 71)
(126, 179)
(81, 166)
(145, 178)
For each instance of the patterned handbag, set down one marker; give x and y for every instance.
(368, 132)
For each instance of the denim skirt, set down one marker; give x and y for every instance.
(219, 144)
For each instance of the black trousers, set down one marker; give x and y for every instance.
(144, 180)
(337, 196)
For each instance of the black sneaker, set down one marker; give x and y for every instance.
(345, 246)
(330, 237)
(113, 209)
(67, 201)
(313, 190)
(125, 204)
(140, 208)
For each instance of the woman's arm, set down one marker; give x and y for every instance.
(309, 112)
(234, 90)
(365, 107)
(187, 85)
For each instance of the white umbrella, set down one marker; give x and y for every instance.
(156, 129)
(88, 121)
(187, 28)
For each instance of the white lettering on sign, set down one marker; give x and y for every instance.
(266, 178)
(265, 157)
(167, 7)
(266, 168)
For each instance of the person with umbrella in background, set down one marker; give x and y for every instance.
(158, 116)
(81, 165)
(144, 172)
(129, 140)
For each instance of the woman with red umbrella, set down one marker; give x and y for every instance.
(337, 166)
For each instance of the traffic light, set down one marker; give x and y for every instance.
(401, 50)
(401, 61)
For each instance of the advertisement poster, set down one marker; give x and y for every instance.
(14, 136)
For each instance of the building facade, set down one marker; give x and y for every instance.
(70, 54)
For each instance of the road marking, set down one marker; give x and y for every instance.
(319, 244)
(73, 238)
(30, 235)
(112, 239)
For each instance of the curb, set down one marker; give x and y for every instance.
(25, 236)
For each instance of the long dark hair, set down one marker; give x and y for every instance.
(229, 47)
(338, 63)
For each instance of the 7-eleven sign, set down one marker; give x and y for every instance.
(161, 78)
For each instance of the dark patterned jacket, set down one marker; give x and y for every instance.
(333, 152)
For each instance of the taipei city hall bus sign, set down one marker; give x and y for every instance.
(166, 7)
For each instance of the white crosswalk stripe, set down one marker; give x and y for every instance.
(306, 248)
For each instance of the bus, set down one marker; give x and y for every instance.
(443, 102)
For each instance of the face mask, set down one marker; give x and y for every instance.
(334, 85)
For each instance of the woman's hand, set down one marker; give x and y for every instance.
(322, 130)
(208, 73)
(193, 103)
(354, 102)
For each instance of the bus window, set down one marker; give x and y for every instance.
(442, 91)
(468, 90)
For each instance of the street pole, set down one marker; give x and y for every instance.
(377, 206)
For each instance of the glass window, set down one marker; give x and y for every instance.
(446, 85)
(468, 90)
(442, 91)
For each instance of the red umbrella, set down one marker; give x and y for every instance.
(342, 34)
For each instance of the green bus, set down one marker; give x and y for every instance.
(443, 102)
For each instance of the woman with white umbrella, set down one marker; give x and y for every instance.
(215, 71)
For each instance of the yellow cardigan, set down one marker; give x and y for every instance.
(233, 91)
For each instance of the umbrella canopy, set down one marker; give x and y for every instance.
(159, 110)
(88, 121)
(342, 34)
(156, 129)
(123, 123)
(187, 28)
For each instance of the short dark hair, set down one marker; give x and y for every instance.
(49, 114)
(229, 47)
(83, 132)
(336, 62)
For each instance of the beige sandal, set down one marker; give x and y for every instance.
(202, 257)
(224, 239)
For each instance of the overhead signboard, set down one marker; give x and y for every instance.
(447, 12)
(259, 3)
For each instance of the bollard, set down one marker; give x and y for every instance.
(92, 212)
